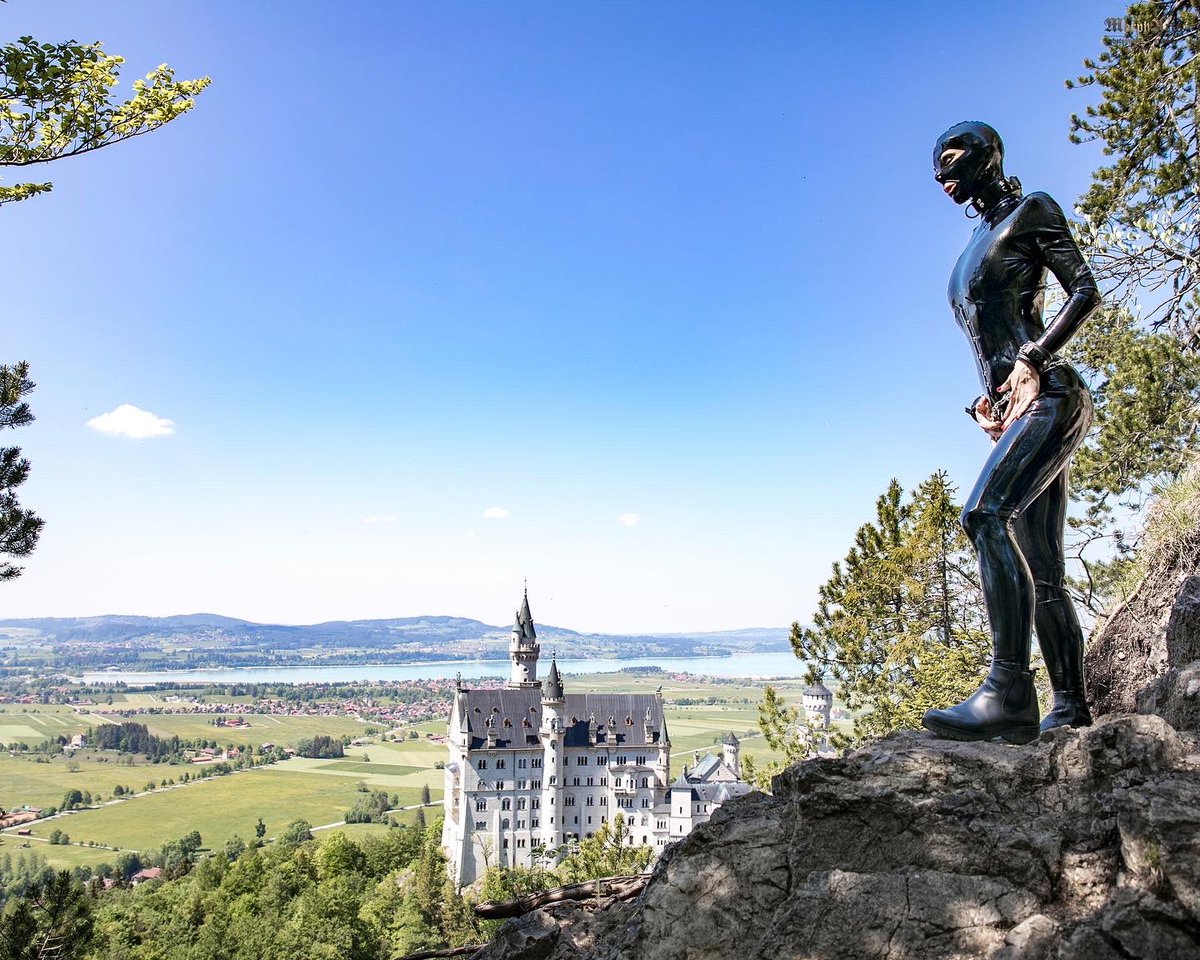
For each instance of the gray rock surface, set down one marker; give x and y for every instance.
(1083, 845)
(1154, 632)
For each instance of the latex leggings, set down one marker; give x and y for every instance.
(1015, 518)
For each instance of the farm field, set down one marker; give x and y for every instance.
(263, 728)
(25, 781)
(218, 808)
(58, 856)
(35, 723)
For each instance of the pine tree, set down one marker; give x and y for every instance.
(1141, 224)
(19, 527)
(899, 625)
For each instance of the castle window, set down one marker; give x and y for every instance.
(506, 843)
(591, 801)
(536, 763)
(520, 803)
(507, 722)
(521, 842)
(506, 804)
(505, 824)
(569, 802)
(589, 783)
(620, 761)
(480, 805)
(589, 821)
(576, 783)
(602, 760)
(477, 710)
(604, 781)
(645, 781)
(581, 761)
(499, 784)
(629, 721)
(641, 761)
(522, 763)
(536, 803)
(645, 803)
(500, 763)
(481, 764)
(480, 824)
(535, 784)
(604, 801)
(520, 784)
(533, 823)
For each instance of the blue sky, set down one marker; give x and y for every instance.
(663, 282)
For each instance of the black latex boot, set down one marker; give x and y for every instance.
(1067, 709)
(1005, 705)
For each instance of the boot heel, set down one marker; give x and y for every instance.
(1020, 734)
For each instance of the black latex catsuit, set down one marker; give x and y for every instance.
(1016, 513)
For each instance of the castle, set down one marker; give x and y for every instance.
(532, 767)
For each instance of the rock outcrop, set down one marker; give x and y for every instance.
(1146, 656)
(1083, 846)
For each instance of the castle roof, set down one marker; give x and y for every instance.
(525, 620)
(730, 738)
(554, 686)
(817, 689)
(516, 716)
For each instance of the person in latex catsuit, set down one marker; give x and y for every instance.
(1038, 410)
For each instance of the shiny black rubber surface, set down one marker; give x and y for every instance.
(1016, 513)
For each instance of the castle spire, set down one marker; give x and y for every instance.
(554, 686)
(525, 618)
(523, 647)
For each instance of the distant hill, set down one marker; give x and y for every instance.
(204, 639)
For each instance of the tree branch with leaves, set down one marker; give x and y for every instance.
(56, 101)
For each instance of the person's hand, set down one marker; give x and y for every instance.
(1025, 384)
(983, 417)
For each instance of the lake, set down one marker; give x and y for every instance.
(757, 665)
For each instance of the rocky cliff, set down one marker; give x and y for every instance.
(1082, 846)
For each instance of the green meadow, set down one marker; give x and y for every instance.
(41, 781)
(264, 728)
(218, 808)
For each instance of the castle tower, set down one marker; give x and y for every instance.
(818, 704)
(552, 734)
(523, 648)
(730, 750)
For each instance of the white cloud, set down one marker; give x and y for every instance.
(133, 422)
(496, 513)
(628, 519)
(379, 518)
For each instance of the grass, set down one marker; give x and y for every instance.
(33, 724)
(218, 808)
(25, 781)
(264, 728)
(58, 856)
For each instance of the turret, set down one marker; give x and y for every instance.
(730, 749)
(818, 704)
(523, 648)
(552, 735)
